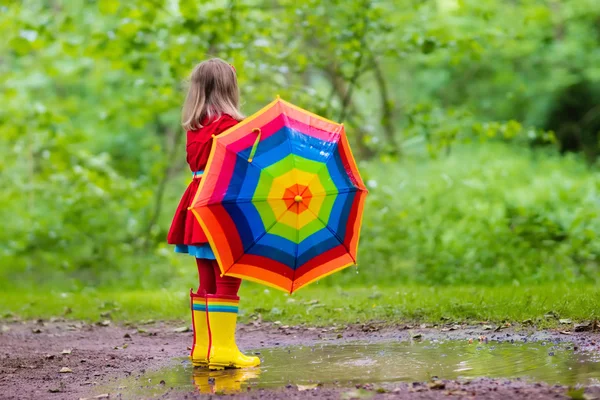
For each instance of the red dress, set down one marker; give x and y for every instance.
(185, 229)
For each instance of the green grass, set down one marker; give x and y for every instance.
(319, 305)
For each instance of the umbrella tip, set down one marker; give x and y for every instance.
(278, 97)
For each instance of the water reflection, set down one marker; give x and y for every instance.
(382, 363)
(223, 382)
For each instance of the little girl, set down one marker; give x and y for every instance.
(210, 108)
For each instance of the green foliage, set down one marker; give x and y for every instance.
(483, 215)
(91, 153)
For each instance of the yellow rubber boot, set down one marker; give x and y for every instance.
(199, 353)
(222, 317)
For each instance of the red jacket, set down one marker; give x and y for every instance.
(185, 229)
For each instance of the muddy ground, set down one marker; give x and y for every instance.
(33, 353)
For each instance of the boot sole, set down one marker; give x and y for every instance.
(219, 367)
(199, 363)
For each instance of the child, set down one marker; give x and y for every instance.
(211, 107)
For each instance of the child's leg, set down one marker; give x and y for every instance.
(222, 309)
(226, 285)
(206, 275)
(207, 287)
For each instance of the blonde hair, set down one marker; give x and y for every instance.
(213, 91)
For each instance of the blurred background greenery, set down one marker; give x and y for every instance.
(476, 125)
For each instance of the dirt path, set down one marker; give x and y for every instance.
(32, 355)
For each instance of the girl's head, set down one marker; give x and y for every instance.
(213, 90)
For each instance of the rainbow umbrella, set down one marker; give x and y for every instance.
(281, 199)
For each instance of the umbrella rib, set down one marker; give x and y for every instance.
(292, 154)
(264, 199)
(296, 258)
(260, 236)
(322, 168)
(353, 189)
(261, 170)
(334, 234)
(259, 167)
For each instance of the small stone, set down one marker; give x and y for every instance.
(65, 370)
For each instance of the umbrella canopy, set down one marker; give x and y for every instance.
(281, 199)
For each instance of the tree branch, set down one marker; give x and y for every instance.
(162, 184)
(387, 112)
(357, 64)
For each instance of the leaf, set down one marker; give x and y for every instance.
(20, 45)
(65, 370)
(108, 6)
(188, 8)
(307, 387)
(106, 322)
(565, 321)
(436, 385)
(576, 394)
(551, 315)
(357, 394)
(66, 351)
(586, 326)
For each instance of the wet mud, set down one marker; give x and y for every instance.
(72, 360)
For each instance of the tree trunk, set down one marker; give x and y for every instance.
(387, 108)
(338, 86)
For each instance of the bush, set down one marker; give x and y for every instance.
(487, 215)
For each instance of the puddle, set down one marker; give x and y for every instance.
(349, 364)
